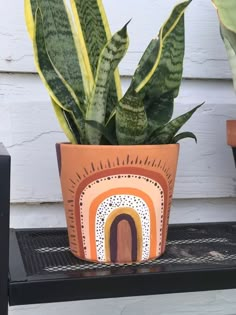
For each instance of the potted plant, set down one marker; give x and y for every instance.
(117, 171)
(226, 12)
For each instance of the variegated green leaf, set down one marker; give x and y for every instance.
(67, 123)
(173, 27)
(165, 55)
(168, 74)
(146, 63)
(184, 135)
(110, 127)
(109, 59)
(175, 16)
(110, 138)
(164, 85)
(166, 134)
(131, 121)
(92, 24)
(65, 118)
(61, 47)
(52, 79)
(159, 110)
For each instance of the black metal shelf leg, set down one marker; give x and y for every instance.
(4, 227)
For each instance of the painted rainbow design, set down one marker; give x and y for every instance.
(117, 210)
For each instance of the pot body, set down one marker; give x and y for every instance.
(117, 199)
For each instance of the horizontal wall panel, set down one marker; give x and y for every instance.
(46, 215)
(30, 130)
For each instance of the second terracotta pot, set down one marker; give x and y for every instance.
(117, 199)
(231, 132)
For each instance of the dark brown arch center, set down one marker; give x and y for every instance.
(123, 239)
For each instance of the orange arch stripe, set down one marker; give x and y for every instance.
(138, 225)
(121, 191)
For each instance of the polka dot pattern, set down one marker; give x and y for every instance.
(116, 202)
(120, 201)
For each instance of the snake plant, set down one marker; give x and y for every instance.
(77, 57)
(226, 11)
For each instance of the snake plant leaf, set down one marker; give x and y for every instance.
(226, 11)
(131, 121)
(60, 44)
(65, 118)
(111, 139)
(109, 59)
(110, 127)
(229, 39)
(163, 86)
(158, 76)
(159, 110)
(92, 26)
(30, 7)
(167, 133)
(52, 79)
(173, 27)
(184, 135)
(168, 75)
(66, 122)
(146, 63)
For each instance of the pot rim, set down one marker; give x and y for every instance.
(147, 146)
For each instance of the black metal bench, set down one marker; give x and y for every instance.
(41, 268)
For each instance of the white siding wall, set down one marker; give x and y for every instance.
(206, 171)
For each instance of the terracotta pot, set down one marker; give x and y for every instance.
(231, 132)
(231, 136)
(117, 199)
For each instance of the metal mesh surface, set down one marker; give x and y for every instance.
(47, 251)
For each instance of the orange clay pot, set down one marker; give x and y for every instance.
(231, 132)
(117, 199)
